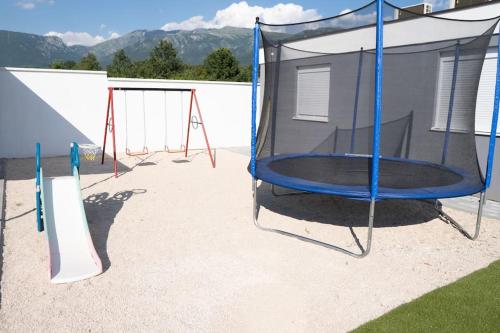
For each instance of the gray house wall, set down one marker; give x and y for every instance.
(482, 146)
(426, 144)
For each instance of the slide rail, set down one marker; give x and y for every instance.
(39, 217)
(74, 159)
(75, 170)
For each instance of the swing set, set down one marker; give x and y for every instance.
(193, 121)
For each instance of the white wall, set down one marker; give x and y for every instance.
(225, 108)
(404, 32)
(55, 107)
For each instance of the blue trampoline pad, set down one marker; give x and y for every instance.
(349, 176)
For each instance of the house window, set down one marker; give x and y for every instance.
(486, 93)
(464, 100)
(313, 93)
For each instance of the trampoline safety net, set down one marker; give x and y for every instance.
(316, 125)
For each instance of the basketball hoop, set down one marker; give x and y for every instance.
(89, 151)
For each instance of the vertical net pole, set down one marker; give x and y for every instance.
(451, 103)
(494, 122)
(274, 109)
(335, 139)
(255, 77)
(356, 100)
(409, 130)
(378, 100)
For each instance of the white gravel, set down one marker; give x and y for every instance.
(181, 253)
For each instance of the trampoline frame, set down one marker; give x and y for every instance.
(375, 148)
(265, 172)
(365, 250)
(448, 219)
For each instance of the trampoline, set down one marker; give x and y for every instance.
(348, 176)
(374, 104)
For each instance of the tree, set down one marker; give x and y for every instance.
(121, 66)
(192, 72)
(59, 64)
(163, 61)
(89, 63)
(222, 65)
(144, 69)
(245, 74)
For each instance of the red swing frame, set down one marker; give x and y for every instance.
(190, 122)
(110, 124)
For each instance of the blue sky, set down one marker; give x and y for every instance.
(90, 21)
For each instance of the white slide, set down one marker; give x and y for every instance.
(72, 254)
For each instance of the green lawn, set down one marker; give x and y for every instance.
(471, 304)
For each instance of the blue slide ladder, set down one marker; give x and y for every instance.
(75, 168)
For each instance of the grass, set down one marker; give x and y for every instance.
(471, 304)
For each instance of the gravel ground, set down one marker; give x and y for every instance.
(180, 253)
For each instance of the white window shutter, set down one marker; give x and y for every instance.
(313, 92)
(486, 94)
(462, 100)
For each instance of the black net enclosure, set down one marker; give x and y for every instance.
(316, 128)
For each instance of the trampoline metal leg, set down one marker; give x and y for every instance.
(458, 226)
(254, 194)
(364, 251)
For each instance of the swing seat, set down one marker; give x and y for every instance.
(144, 151)
(182, 149)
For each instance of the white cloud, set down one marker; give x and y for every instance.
(25, 5)
(113, 35)
(189, 24)
(242, 15)
(439, 4)
(354, 19)
(77, 38)
(81, 38)
(29, 5)
(102, 26)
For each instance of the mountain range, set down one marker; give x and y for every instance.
(29, 50)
